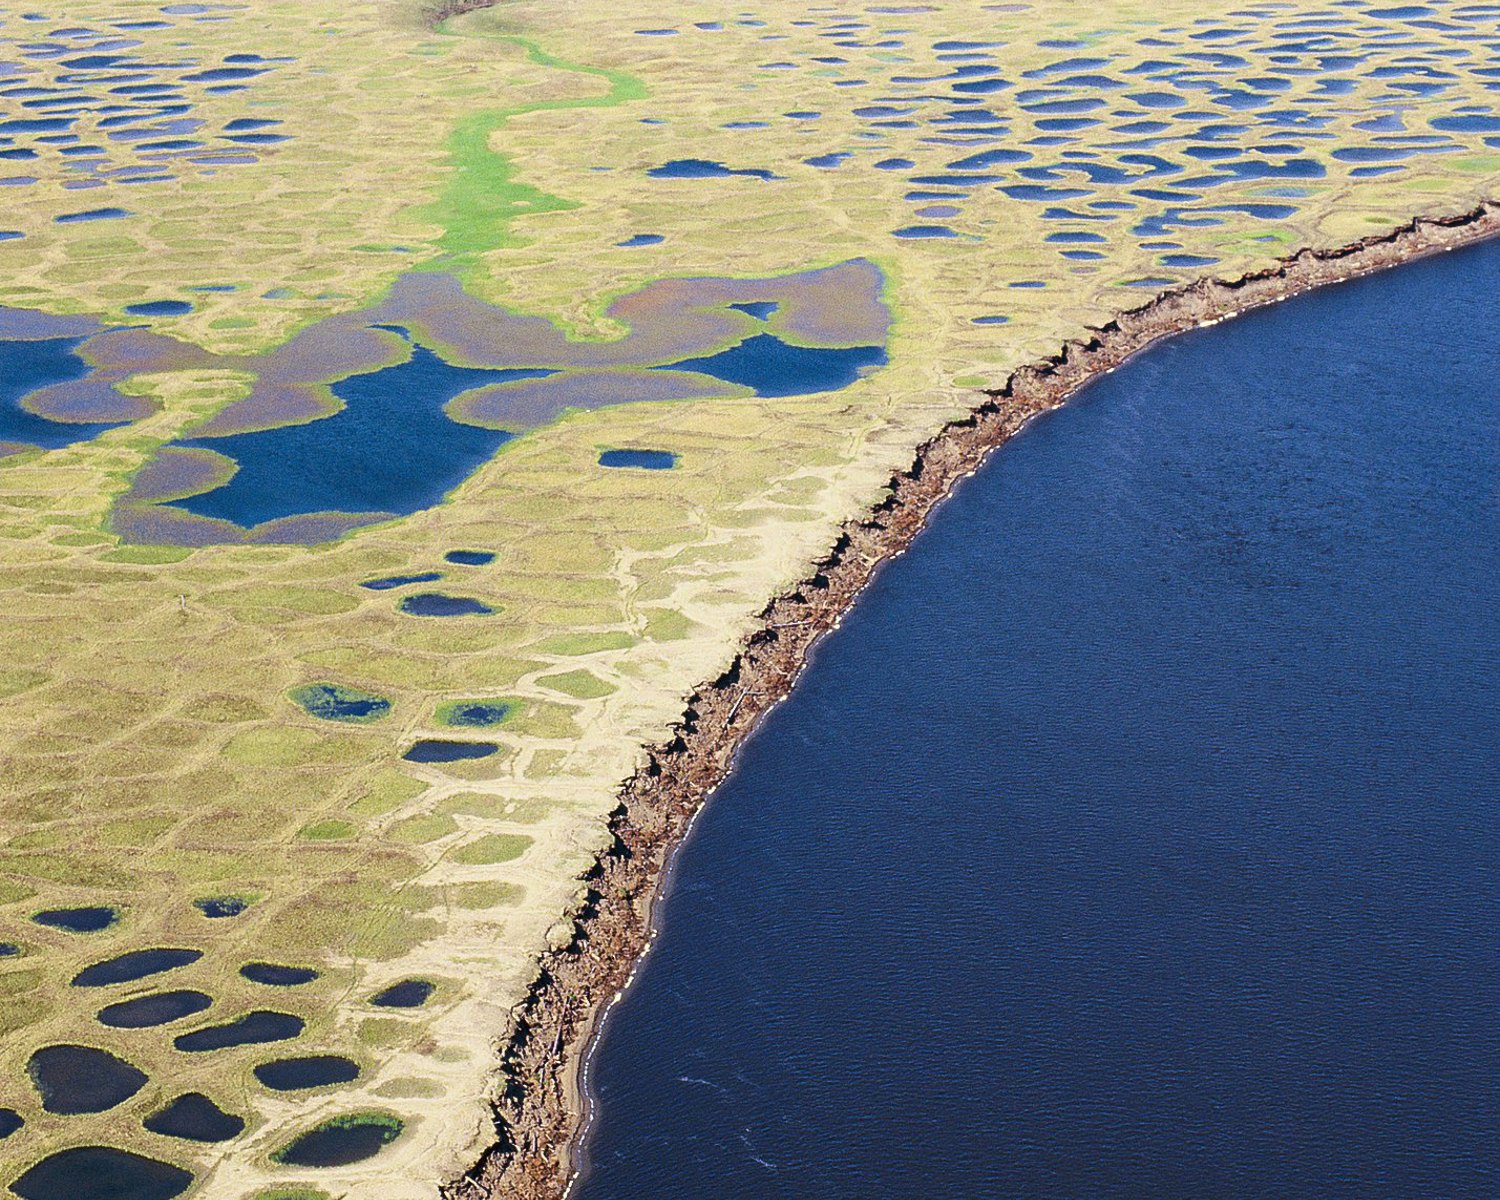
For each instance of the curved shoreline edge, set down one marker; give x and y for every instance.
(540, 1109)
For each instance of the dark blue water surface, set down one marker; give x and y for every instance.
(193, 1117)
(252, 1029)
(26, 366)
(409, 993)
(646, 460)
(276, 975)
(1136, 834)
(82, 1171)
(137, 964)
(437, 750)
(776, 368)
(78, 920)
(390, 449)
(159, 1008)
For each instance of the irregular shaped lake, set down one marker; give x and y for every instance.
(82, 1079)
(1164, 866)
(193, 1117)
(101, 1173)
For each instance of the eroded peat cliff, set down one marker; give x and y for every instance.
(539, 1109)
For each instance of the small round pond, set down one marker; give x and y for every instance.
(10, 1121)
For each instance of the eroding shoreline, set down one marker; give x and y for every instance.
(539, 1107)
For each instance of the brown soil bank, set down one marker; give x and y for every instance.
(539, 1112)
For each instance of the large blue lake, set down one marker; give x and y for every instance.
(1136, 836)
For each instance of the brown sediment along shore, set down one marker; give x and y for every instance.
(539, 1109)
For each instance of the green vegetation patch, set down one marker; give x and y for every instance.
(574, 644)
(388, 791)
(581, 685)
(148, 556)
(475, 896)
(416, 831)
(11, 891)
(335, 702)
(333, 830)
(280, 746)
(386, 1033)
(15, 680)
(492, 849)
(666, 625)
(295, 1192)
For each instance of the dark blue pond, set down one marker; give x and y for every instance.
(82, 1079)
(314, 1070)
(437, 750)
(436, 604)
(648, 460)
(395, 581)
(219, 907)
(469, 558)
(776, 368)
(409, 993)
(78, 920)
(92, 214)
(193, 1117)
(1164, 865)
(161, 1008)
(390, 449)
(702, 168)
(10, 1121)
(27, 366)
(276, 975)
(761, 310)
(101, 1173)
(159, 308)
(252, 1029)
(138, 964)
(342, 1141)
